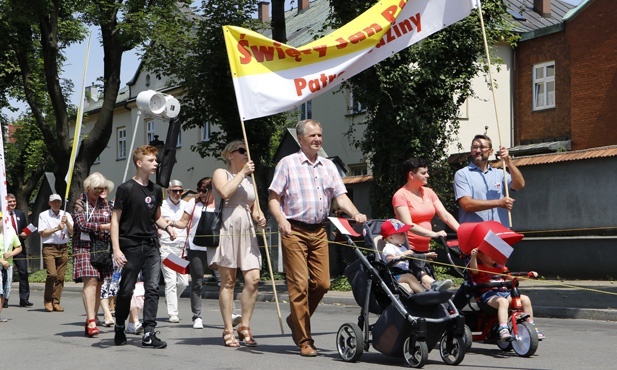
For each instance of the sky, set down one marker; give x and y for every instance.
(74, 67)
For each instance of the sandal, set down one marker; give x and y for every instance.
(244, 334)
(230, 338)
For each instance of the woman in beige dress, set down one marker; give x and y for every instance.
(238, 248)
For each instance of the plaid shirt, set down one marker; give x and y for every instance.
(89, 219)
(306, 189)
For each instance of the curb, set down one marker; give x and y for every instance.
(210, 291)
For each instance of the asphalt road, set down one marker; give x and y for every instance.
(34, 339)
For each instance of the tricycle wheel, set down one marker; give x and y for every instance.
(525, 343)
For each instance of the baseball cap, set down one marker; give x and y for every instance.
(54, 197)
(393, 226)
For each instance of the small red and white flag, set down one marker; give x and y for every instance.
(342, 225)
(179, 265)
(496, 248)
(29, 229)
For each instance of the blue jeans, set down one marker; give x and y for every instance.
(145, 258)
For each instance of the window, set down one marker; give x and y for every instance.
(355, 106)
(359, 169)
(121, 139)
(544, 86)
(205, 132)
(149, 131)
(305, 111)
(179, 142)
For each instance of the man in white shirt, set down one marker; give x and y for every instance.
(175, 283)
(55, 228)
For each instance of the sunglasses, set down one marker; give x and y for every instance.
(240, 150)
(100, 190)
(204, 190)
(177, 191)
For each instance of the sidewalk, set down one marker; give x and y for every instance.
(581, 299)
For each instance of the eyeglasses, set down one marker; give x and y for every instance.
(100, 190)
(204, 190)
(240, 150)
(482, 148)
(177, 191)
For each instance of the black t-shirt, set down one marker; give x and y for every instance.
(139, 205)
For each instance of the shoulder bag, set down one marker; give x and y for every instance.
(100, 253)
(209, 227)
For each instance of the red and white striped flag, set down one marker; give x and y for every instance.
(343, 226)
(496, 248)
(179, 265)
(29, 229)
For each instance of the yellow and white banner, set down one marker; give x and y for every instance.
(270, 77)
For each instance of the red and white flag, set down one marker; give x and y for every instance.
(496, 248)
(29, 229)
(179, 265)
(343, 226)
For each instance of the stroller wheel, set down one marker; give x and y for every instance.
(452, 353)
(350, 342)
(415, 352)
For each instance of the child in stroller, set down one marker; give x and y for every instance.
(396, 255)
(485, 270)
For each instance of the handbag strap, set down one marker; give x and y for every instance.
(188, 230)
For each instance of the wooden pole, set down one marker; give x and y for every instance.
(492, 84)
(263, 234)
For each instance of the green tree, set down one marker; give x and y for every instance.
(197, 61)
(412, 98)
(26, 160)
(36, 34)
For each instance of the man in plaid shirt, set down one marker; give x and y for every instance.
(301, 193)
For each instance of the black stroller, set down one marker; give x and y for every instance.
(408, 325)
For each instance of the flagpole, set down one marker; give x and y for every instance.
(130, 152)
(77, 135)
(263, 233)
(490, 76)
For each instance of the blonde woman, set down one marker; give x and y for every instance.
(238, 248)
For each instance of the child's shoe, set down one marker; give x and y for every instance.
(441, 285)
(504, 334)
(540, 335)
(134, 328)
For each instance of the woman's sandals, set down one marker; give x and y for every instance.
(244, 334)
(230, 339)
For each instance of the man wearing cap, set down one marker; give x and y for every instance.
(55, 228)
(301, 193)
(175, 283)
(479, 188)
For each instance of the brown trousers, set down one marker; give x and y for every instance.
(307, 268)
(56, 257)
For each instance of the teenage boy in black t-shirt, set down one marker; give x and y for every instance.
(134, 238)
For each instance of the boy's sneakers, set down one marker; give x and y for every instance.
(236, 319)
(119, 337)
(504, 334)
(441, 285)
(150, 340)
(198, 323)
(3, 319)
(174, 319)
(540, 335)
(136, 328)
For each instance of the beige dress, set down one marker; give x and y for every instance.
(238, 247)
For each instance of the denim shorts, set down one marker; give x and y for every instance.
(492, 293)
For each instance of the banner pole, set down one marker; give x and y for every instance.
(77, 135)
(263, 233)
(490, 76)
(129, 154)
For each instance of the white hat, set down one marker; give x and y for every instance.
(54, 197)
